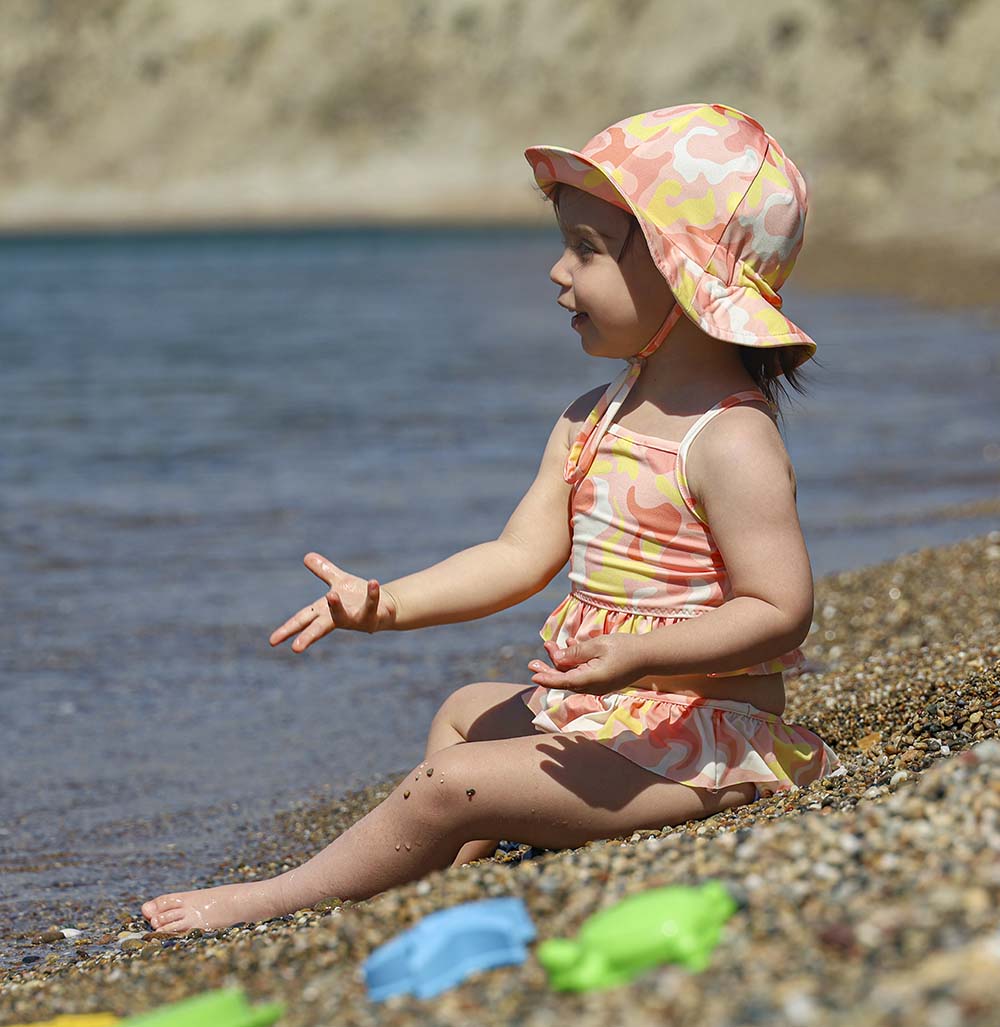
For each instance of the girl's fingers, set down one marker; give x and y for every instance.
(567, 659)
(565, 656)
(313, 633)
(324, 569)
(544, 675)
(575, 679)
(293, 626)
(302, 643)
(553, 649)
(371, 603)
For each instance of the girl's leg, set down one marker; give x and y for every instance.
(485, 710)
(552, 791)
(481, 712)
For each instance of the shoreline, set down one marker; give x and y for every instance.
(903, 680)
(827, 264)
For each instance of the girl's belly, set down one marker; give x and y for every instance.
(765, 691)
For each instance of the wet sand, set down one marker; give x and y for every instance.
(870, 897)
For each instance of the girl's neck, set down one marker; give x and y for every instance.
(690, 370)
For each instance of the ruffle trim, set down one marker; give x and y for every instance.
(576, 617)
(703, 743)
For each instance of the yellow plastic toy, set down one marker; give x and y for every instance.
(224, 1007)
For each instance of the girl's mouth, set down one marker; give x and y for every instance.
(578, 320)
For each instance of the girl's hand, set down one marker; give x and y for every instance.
(351, 602)
(594, 666)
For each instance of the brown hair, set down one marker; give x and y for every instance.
(768, 367)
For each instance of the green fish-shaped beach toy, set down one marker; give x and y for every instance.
(225, 1007)
(678, 924)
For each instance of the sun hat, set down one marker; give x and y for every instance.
(721, 206)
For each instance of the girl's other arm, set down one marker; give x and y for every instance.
(745, 484)
(529, 552)
(746, 488)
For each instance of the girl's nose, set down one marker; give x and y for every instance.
(559, 273)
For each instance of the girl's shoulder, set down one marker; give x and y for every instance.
(577, 412)
(746, 433)
(582, 405)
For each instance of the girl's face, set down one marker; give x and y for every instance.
(620, 299)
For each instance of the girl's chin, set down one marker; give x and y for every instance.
(597, 348)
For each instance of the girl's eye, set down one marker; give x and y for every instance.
(583, 249)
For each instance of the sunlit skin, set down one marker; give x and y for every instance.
(608, 276)
(488, 773)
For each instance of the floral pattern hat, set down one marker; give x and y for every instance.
(721, 206)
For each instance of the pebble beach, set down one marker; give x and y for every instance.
(869, 897)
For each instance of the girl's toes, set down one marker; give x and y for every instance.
(159, 905)
(174, 920)
(167, 917)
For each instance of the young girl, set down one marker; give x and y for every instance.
(673, 497)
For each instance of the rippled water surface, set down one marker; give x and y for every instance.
(181, 418)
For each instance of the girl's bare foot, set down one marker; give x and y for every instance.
(210, 909)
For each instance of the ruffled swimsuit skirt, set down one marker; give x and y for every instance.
(700, 742)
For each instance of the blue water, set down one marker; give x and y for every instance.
(182, 418)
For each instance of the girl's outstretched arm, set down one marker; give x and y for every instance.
(529, 552)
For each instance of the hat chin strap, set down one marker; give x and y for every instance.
(584, 448)
(673, 316)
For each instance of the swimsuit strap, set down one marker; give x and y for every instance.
(680, 467)
(584, 448)
(732, 400)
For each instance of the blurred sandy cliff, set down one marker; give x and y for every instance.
(120, 113)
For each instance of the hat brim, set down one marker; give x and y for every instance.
(733, 312)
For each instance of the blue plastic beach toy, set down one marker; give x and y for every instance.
(448, 946)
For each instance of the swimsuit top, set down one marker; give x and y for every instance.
(642, 551)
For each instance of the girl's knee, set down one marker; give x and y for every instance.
(440, 792)
(461, 707)
(474, 695)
